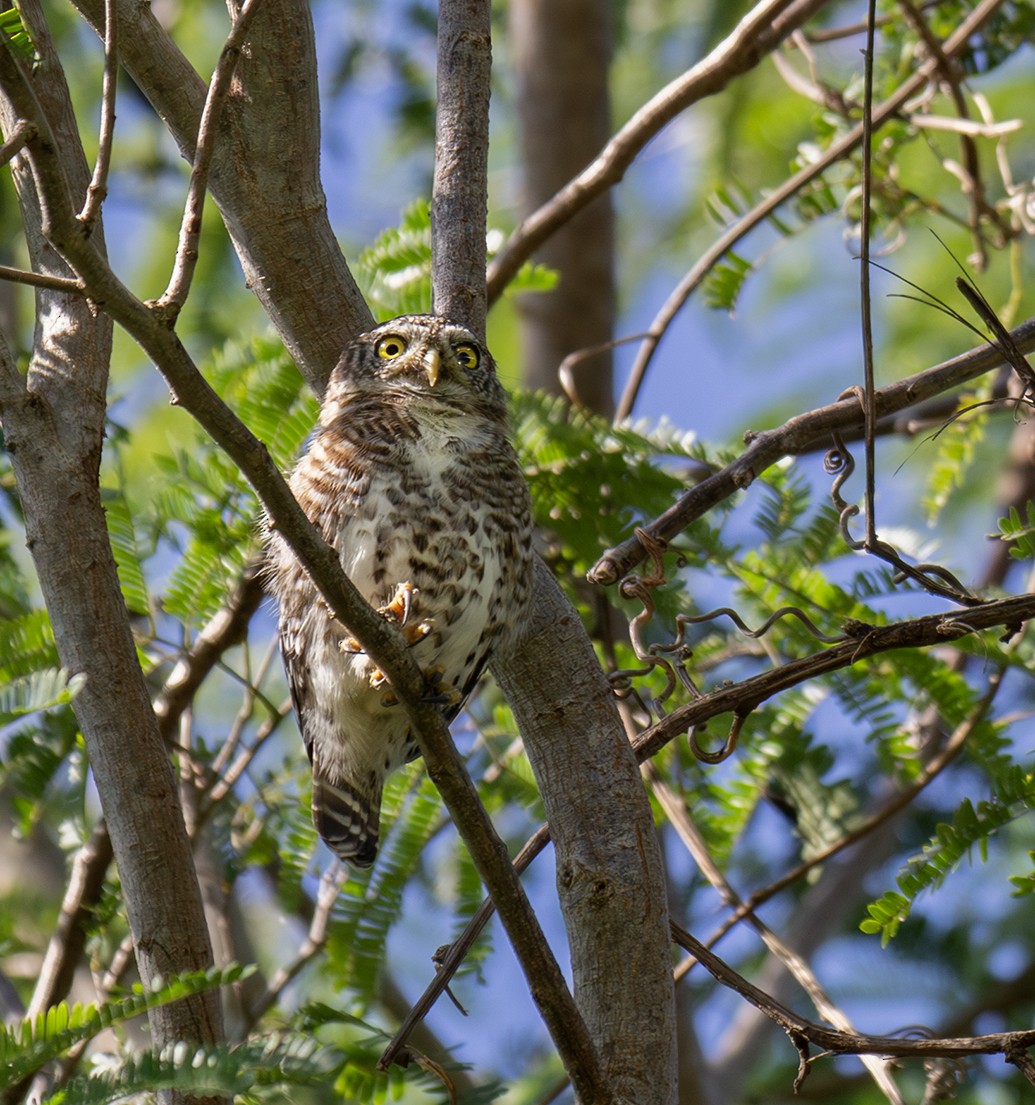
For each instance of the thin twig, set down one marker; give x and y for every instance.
(687, 831)
(953, 76)
(331, 883)
(172, 299)
(41, 280)
(448, 964)
(790, 187)
(865, 305)
(98, 188)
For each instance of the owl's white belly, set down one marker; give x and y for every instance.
(429, 537)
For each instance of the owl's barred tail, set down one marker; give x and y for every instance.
(346, 820)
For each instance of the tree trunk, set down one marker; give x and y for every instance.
(609, 872)
(54, 425)
(562, 49)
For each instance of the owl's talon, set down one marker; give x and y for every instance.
(402, 603)
(415, 633)
(398, 611)
(439, 692)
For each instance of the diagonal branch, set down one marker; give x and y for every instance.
(791, 960)
(757, 34)
(383, 642)
(779, 196)
(800, 434)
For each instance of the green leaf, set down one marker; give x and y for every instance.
(126, 547)
(971, 826)
(42, 690)
(1019, 533)
(724, 282)
(18, 37)
(27, 1046)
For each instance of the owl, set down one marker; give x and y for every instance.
(411, 477)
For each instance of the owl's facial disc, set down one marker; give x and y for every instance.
(406, 358)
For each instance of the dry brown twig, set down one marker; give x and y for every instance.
(173, 298)
(688, 833)
(98, 187)
(780, 195)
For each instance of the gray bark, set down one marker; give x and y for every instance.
(460, 191)
(609, 872)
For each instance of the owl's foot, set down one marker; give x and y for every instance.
(437, 691)
(399, 611)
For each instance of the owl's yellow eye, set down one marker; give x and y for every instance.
(392, 346)
(467, 355)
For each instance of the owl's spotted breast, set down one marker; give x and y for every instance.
(413, 480)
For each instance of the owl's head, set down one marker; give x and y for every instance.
(420, 356)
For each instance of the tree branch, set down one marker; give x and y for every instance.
(802, 1032)
(757, 34)
(227, 627)
(67, 942)
(839, 149)
(865, 641)
(460, 189)
(797, 435)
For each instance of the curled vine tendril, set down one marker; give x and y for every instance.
(933, 578)
(672, 657)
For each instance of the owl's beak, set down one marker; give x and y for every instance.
(432, 365)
